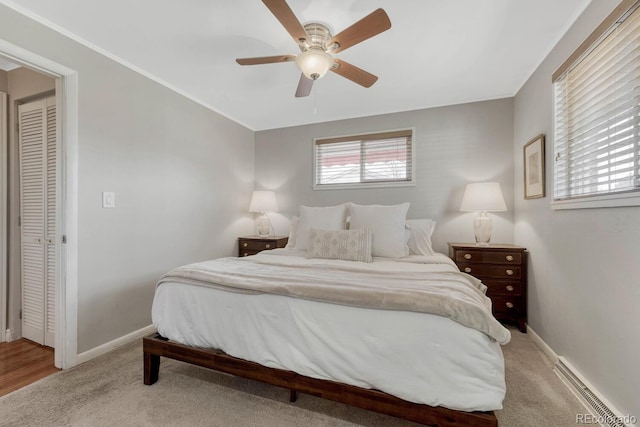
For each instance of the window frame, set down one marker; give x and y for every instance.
(365, 184)
(629, 197)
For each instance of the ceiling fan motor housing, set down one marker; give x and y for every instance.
(318, 35)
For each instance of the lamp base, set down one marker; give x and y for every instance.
(482, 227)
(264, 225)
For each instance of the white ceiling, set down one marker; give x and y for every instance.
(438, 52)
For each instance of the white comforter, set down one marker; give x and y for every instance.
(419, 357)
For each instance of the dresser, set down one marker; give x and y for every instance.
(503, 269)
(251, 245)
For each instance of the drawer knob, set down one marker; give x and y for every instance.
(510, 288)
(245, 254)
(245, 244)
(509, 257)
(509, 272)
(467, 269)
(268, 246)
(467, 256)
(509, 305)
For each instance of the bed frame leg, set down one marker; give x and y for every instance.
(522, 326)
(151, 368)
(293, 395)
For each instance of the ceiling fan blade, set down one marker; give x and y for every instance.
(266, 60)
(287, 18)
(369, 26)
(353, 73)
(304, 86)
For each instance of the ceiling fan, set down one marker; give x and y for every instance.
(318, 44)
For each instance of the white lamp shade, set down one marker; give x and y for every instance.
(483, 196)
(263, 201)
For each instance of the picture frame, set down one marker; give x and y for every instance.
(534, 172)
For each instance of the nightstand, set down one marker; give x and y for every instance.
(251, 245)
(503, 269)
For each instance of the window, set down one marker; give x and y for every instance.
(597, 117)
(374, 160)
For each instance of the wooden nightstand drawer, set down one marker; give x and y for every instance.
(482, 271)
(505, 305)
(256, 245)
(247, 252)
(498, 287)
(252, 245)
(474, 256)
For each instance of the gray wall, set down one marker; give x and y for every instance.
(454, 145)
(584, 278)
(182, 174)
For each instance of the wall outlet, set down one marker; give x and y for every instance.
(108, 199)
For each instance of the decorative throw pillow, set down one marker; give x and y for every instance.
(387, 225)
(350, 245)
(293, 233)
(420, 236)
(323, 218)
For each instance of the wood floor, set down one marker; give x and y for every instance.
(23, 362)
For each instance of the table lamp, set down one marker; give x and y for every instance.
(263, 202)
(483, 197)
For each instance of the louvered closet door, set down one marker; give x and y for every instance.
(37, 212)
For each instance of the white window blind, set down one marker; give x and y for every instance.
(597, 116)
(380, 158)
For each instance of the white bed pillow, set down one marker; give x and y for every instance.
(293, 233)
(322, 218)
(420, 236)
(349, 245)
(387, 225)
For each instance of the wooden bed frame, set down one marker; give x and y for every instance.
(155, 346)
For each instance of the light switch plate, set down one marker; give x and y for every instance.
(108, 199)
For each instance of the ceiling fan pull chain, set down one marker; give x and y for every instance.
(315, 100)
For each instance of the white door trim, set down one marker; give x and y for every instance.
(4, 117)
(66, 347)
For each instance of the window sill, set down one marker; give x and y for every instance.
(359, 185)
(604, 201)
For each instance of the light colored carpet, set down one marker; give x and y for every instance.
(108, 391)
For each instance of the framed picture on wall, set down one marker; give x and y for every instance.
(534, 168)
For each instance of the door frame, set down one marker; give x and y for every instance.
(66, 86)
(4, 145)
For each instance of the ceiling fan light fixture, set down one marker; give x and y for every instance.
(314, 63)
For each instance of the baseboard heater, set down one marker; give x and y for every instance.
(605, 415)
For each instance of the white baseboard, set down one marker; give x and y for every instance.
(111, 345)
(542, 345)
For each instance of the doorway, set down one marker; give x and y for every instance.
(66, 204)
(28, 170)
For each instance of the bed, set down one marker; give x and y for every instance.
(333, 328)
